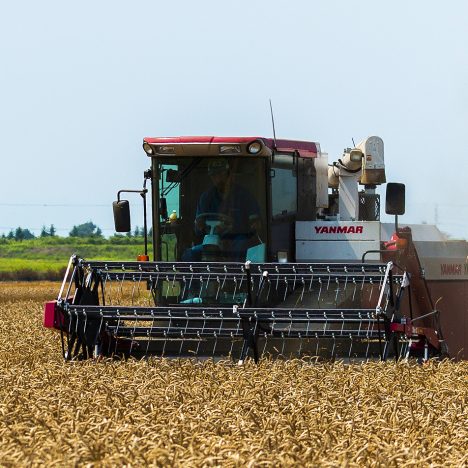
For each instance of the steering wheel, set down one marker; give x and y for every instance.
(219, 222)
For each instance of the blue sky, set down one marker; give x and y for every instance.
(82, 83)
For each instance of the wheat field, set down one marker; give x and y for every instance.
(179, 412)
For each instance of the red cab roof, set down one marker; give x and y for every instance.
(305, 148)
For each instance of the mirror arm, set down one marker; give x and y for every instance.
(145, 222)
(129, 191)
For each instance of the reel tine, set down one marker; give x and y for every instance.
(235, 311)
(97, 347)
(108, 278)
(149, 333)
(265, 336)
(173, 286)
(371, 282)
(215, 343)
(166, 332)
(337, 281)
(109, 347)
(219, 287)
(355, 287)
(152, 292)
(350, 346)
(167, 286)
(187, 321)
(184, 280)
(311, 277)
(408, 348)
(121, 288)
(308, 324)
(201, 287)
(384, 352)
(139, 282)
(254, 288)
(232, 345)
(219, 331)
(382, 276)
(182, 339)
(149, 288)
(241, 280)
(269, 287)
(198, 342)
(76, 322)
(303, 289)
(85, 322)
(104, 288)
(164, 345)
(320, 292)
(369, 335)
(133, 290)
(400, 350)
(333, 348)
(409, 342)
(70, 321)
(221, 323)
(191, 278)
(273, 322)
(133, 331)
(225, 276)
(117, 331)
(203, 329)
(208, 280)
(318, 341)
(156, 282)
(235, 287)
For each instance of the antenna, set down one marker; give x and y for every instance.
(273, 124)
(354, 144)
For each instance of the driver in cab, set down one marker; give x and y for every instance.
(226, 211)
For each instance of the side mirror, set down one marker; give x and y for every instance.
(395, 199)
(122, 216)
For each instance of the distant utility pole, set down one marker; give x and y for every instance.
(436, 214)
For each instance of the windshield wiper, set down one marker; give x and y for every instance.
(184, 174)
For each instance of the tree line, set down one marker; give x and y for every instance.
(88, 229)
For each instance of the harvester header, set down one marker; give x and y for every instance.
(262, 246)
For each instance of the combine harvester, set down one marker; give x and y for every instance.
(261, 247)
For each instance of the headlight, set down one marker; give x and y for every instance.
(254, 147)
(147, 148)
(355, 155)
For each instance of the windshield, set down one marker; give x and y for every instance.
(212, 209)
